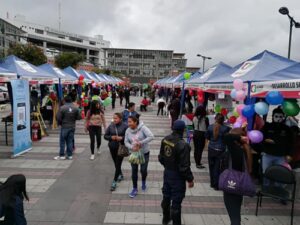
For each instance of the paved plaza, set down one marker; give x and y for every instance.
(77, 192)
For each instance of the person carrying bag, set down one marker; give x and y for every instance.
(236, 182)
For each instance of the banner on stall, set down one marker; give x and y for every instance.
(21, 117)
(289, 88)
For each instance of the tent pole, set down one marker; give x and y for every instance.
(182, 99)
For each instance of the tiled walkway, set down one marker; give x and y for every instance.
(77, 192)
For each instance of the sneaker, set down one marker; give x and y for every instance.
(113, 186)
(120, 178)
(133, 193)
(144, 186)
(200, 166)
(98, 151)
(59, 157)
(92, 157)
(69, 157)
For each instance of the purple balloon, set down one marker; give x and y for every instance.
(255, 136)
(237, 124)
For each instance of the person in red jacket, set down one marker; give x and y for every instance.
(144, 104)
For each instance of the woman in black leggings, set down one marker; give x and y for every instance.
(115, 135)
(238, 147)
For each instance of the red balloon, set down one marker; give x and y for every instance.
(224, 111)
(232, 119)
(200, 96)
(81, 77)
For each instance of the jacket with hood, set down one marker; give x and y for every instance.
(141, 134)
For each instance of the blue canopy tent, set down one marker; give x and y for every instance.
(97, 77)
(254, 69)
(62, 76)
(86, 75)
(70, 70)
(24, 69)
(5, 75)
(199, 79)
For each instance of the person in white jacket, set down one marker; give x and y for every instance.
(161, 104)
(137, 139)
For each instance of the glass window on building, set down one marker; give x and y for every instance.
(38, 31)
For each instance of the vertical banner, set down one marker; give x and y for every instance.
(21, 117)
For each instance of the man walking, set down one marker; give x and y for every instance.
(175, 157)
(66, 117)
(127, 96)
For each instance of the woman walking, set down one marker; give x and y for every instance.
(200, 122)
(137, 139)
(216, 147)
(94, 122)
(12, 194)
(115, 134)
(238, 147)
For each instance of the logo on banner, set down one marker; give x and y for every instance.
(208, 73)
(26, 66)
(253, 88)
(245, 68)
(59, 72)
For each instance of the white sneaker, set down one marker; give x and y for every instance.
(92, 157)
(98, 151)
(69, 157)
(59, 157)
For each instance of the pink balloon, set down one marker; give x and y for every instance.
(240, 108)
(238, 84)
(240, 96)
(241, 119)
(237, 125)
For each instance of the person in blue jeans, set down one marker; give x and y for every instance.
(12, 194)
(216, 147)
(66, 118)
(278, 141)
(137, 138)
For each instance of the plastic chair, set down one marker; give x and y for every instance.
(278, 174)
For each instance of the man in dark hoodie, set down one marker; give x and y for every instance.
(278, 140)
(66, 117)
(175, 157)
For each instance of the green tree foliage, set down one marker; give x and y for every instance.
(28, 52)
(66, 59)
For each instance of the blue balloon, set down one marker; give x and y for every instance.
(274, 98)
(233, 93)
(248, 111)
(261, 108)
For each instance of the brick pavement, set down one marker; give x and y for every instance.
(77, 192)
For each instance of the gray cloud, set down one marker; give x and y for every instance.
(229, 31)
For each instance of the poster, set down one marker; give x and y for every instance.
(21, 117)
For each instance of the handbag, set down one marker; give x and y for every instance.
(237, 182)
(122, 149)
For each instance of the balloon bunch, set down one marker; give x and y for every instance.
(219, 109)
(187, 76)
(238, 93)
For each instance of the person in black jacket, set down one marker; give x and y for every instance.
(127, 96)
(238, 147)
(175, 157)
(115, 134)
(174, 109)
(113, 98)
(12, 194)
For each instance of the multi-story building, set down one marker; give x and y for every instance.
(141, 65)
(9, 35)
(54, 41)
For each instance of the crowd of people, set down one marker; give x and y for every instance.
(127, 132)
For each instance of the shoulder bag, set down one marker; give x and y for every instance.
(237, 182)
(122, 149)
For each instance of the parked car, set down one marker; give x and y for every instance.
(4, 97)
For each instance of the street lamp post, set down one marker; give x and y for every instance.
(203, 58)
(285, 11)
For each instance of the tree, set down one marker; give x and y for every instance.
(66, 59)
(28, 52)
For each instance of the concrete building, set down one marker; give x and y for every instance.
(9, 35)
(54, 41)
(192, 69)
(141, 65)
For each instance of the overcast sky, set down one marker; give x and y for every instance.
(226, 30)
